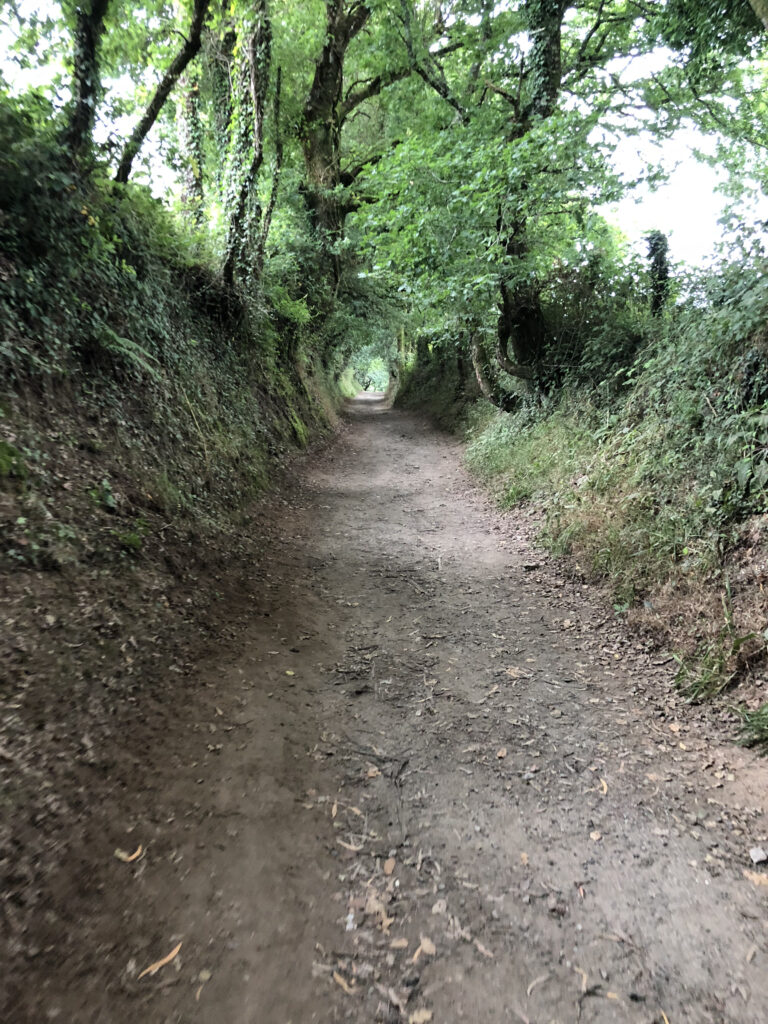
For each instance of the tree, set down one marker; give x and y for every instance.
(253, 87)
(327, 109)
(86, 78)
(192, 146)
(504, 204)
(760, 7)
(188, 51)
(658, 255)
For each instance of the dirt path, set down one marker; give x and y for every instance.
(431, 777)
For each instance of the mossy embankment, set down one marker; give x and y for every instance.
(143, 410)
(134, 383)
(653, 481)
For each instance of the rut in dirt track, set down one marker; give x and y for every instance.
(440, 781)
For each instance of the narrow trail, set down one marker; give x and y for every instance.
(435, 777)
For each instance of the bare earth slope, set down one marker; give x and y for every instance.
(431, 777)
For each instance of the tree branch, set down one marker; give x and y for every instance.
(588, 37)
(505, 400)
(435, 78)
(351, 174)
(188, 51)
(371, 88)
(513, 369)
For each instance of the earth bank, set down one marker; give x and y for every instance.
(406, 771)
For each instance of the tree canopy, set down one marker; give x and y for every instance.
(447, 158)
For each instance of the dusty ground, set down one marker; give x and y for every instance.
(416, 775)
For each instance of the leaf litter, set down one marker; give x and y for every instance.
(156, 966)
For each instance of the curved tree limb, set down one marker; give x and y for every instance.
(188, 51)
(371, 88)
(513, 369)
(505, 400)
(429, 70)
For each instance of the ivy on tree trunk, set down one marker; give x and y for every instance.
(521, 324)
(191, 139)
(86, 86)
(258, 54)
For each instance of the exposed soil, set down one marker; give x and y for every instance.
(411, 772)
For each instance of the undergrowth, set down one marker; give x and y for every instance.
(754, 727)
(654, 480)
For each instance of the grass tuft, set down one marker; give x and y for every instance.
(754, 727)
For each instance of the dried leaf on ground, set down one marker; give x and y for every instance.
(584, 978)
(420, 1017)
(350, 846)
(755, 877)
(372, 772)
(501, 754)
(128, 858)
(426, 946)
(401, 943)
(155, 967)
(395, 998)
(604, 786)
(374, 907)
(344, 984)
(389, 865)
(595, 836)
(535, 983)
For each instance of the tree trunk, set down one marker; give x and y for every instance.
(521, 321)
(258, 53)
(323, 120)
(505, 400)
(658, 254)
(760, 7)
(178, 65)
(422, 350)
(191, 137)
(545, 63)
(521, 324)
(218, 63)
(86, 84)
(261, 244)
